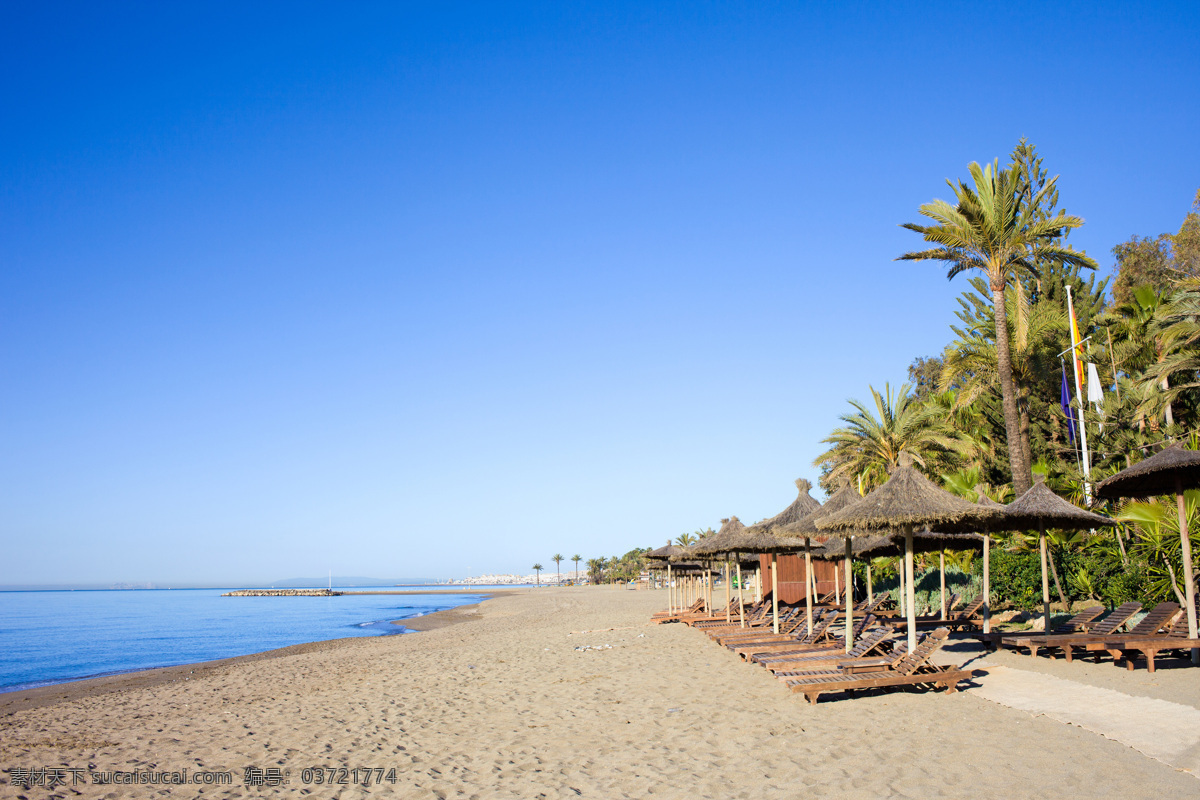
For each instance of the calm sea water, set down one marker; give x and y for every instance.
(51, 637)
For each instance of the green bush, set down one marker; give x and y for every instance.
(1016, 578)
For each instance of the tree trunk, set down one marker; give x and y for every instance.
(1026, 449)
(1022, 476)
(1062, 598)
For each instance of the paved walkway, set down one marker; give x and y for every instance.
(1168, 732)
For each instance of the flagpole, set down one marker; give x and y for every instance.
(1087, 467)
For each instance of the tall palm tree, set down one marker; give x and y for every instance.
(1035, 333)
(577, 558)
(994, 228)
(557, 559)
(871, 443)
(537, 568)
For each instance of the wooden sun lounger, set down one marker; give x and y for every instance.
(753, 614)
(817, 660)
(1175, 639)
(795, 630)
(673, 616)
(1080, 623)
(800, 649)
(766, 620)
(1151, 629)
(912, 669)
(970, 616)
(1105, 627)
(800, 637)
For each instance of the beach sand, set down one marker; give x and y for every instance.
(503, 703)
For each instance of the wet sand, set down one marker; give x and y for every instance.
(505, 702)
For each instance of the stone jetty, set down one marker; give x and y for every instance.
(283, 593)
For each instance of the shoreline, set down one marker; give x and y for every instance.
(17, 700)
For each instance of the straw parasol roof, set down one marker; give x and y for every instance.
(664, 553)
(910, 499)
(801, 507)
(986, 501)
(1039, 507)
(806, 526)
(761, 540)
(893, 544)
(723, 541)
(1154, 476)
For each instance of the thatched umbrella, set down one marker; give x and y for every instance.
(758, 539)
(662, 557)
(909, 500)
(1169, 471)
(892, 544)
(801, 508)
(806, 527)
(984, 500)
(1041, 508)
(686, 564)
(723, 543)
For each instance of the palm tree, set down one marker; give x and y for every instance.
(994, 228)
(870, 446)
(538, 569)
(685, 539)
(595, 569)
(577, 558)
(557, 559)
(970, 362)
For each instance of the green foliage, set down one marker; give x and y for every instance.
(1016, 578)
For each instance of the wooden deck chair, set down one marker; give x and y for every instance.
(1104, 628)
(1176, 639)
(826, 659)
(798, 638)
(673, 616)
(798, 649)
(765, 620)
(753, 614)
(910, 669)
(717, 615)
(1080, 623)
(1153, 628)
(794, 630)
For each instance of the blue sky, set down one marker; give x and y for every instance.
(422, 288)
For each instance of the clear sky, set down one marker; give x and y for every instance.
(412, 289)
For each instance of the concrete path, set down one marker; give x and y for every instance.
(1168, 732)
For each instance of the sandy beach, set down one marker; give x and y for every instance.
(565, 692)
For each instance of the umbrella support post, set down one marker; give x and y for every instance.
(741, 595)
(808, 585)
(774, 593)
(849, 601)
(987, 585)
(900, 593)
(942, 570)
(870, 588)
(1189, 581)
(708, 584)
(837, 586)
(670, 592)
(909, 596)
(728, 599)
(1045, 581)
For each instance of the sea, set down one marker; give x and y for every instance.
(49, 637)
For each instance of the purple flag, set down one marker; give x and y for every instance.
(1066, 406)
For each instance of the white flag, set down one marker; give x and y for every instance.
(1095, 394)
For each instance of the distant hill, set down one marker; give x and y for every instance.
(345, 581)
